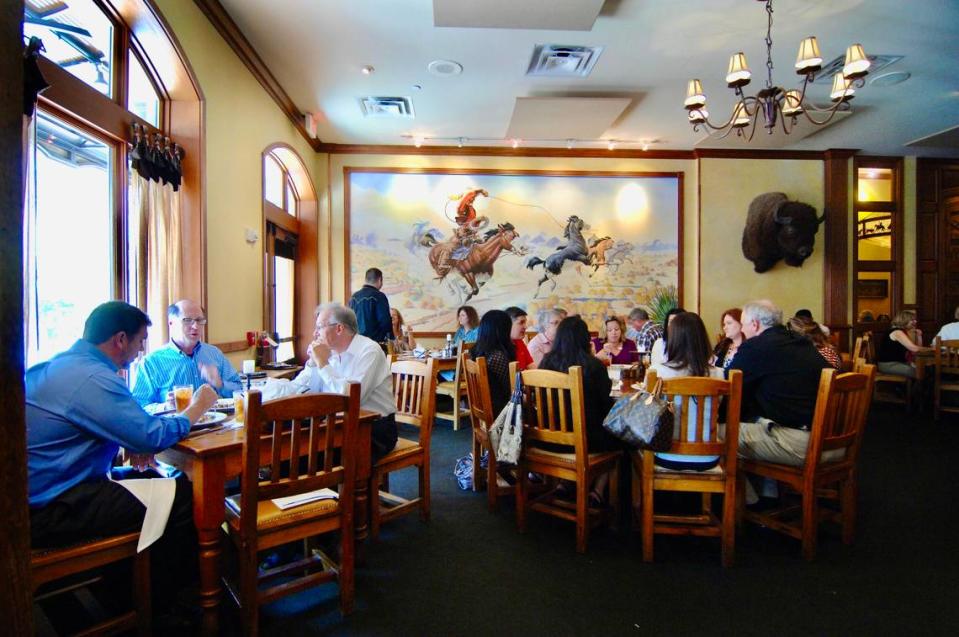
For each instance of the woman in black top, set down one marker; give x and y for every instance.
(572, 346)
(896, 345)
(493, 341)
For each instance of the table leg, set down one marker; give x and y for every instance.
(208, 514)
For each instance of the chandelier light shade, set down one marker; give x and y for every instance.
(774, 104)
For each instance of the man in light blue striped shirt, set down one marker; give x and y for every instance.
(185, 360)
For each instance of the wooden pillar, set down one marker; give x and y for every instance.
(836, 257)
(15, 593)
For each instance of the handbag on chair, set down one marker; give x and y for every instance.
(506, 434)
(642, 420)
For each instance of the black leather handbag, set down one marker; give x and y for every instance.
(643, 420)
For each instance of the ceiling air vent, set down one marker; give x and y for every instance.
(389, 107)
(878, 62)
(557, 60)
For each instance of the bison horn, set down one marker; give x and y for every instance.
(822, 218)
(781, 219)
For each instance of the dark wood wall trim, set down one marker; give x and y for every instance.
(15, 589)
(756, 153)
(231, 33)
(937, 202)
(836, 244)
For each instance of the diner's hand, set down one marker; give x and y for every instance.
(319, 353)
(211, 374)
(203, 399)
(142, 461)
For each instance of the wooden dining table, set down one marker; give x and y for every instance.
(209, 459)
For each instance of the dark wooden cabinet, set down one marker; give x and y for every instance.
(937, 242)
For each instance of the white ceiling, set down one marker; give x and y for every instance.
(316, 49)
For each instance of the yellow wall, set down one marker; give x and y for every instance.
(728, 185)
(241, 121)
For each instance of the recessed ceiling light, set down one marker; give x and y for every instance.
(416, 87)
(444, 67)
(367, 70)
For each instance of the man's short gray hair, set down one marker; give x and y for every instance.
(340, 315)
(544, 316)
(638, 314)
(765, 312)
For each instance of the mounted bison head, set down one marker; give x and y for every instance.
(777, 228)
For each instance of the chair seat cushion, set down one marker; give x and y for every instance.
(404, 447)
(269, 516)
(553, 457)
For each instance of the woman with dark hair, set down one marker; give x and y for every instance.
(730, 337)
(468, 324)
(687, 354)
(658, 354)
(493, 341)
(518, 334)
(811, 331)
(572, 347)
(616, 348)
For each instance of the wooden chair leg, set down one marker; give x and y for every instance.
(728, 539)
(249, 607)
(810, 524)
(582, 516)
(637, 495)
(647, 519)
(740, 500)
(522, 488)
(347, 574)
(424, 471)
(707, 502)
(847, 502)
(477, 473)
(492, 486)
(613, 500)
(375, 503)
(141, 593)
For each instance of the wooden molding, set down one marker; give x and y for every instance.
(755, 153)
(498, 151)
(836, 242)
(231, 33)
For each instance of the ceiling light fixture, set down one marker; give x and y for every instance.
(418, 141)
(611, 144)
(367, 70)
(774, 103)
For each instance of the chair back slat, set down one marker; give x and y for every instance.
(477, 392)
(292, 428)
(946, 356)
(554, 410)
(842, 405)
(414, 393)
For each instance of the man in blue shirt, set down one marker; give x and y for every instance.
(79, 413)
(372, 308)
(185, 360)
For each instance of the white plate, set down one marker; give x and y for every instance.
(224, 403)
(638, 386)
(210, 418)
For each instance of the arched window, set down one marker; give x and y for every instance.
(289, 274)
(81, 245)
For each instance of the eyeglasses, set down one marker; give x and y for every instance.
(321, 326)
(187, 322)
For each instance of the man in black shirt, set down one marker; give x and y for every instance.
(781, 374)
(372, 308)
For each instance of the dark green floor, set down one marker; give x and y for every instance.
(468, 572)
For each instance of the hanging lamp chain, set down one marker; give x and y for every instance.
(769, 44)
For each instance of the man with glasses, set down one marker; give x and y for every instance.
(185, 360)
(541, 344)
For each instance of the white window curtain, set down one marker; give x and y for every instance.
(156, 255)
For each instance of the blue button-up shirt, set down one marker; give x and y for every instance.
(79, 413)
(169, 366)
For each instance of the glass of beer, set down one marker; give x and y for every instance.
(182, 394)
(239, 399)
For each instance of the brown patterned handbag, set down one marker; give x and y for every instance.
(643, 420)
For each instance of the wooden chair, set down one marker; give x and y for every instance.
(889, 380)
(455, 389)
(842, 405)
(300, 429)
(481, 412)
(554, 413)
(699, 437)
(414, 388)
(947, 373)
(48, 565)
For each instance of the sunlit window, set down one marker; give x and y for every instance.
(77, 35)
(142, 98)
(73, 217)
(283, 269)
(273, 181)
(290, 206)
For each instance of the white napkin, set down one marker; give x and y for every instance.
(305, 498)
(156, 494)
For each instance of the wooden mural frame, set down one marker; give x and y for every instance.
(349, 221)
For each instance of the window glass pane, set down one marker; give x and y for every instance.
(273, 182)
(874, 296)
(73, 216)
(283, 269)
(875, 184)
(874, 232)
(142, 98)
(77, 35)
(290, 198)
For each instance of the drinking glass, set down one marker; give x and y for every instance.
(182, 394)
(239, 404)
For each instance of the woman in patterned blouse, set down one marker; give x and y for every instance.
(810, 330)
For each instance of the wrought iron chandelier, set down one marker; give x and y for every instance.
(775, 103)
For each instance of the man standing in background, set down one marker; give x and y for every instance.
(372, 308)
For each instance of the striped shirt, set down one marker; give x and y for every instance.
(169, 366)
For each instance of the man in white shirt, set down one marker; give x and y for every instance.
(950, 331)
(340, 355)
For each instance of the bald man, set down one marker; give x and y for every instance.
(185, 360)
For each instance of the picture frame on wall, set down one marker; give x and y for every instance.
(594, 243)
(872, 288)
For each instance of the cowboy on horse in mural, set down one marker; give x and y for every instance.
(468, 223)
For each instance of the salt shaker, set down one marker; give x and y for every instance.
(449, 345)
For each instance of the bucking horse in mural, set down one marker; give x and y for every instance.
(575, 249)
(479, 262)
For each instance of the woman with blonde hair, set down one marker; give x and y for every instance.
(402, 333)
(899, 345)
(615, 348)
